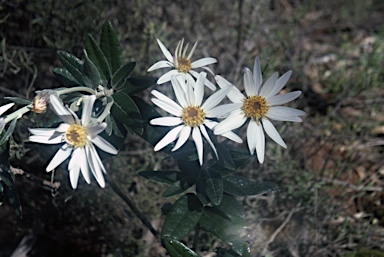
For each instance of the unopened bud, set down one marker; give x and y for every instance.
(41, 100)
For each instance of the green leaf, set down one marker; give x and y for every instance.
(122, 74)
(91, 75)
(178, 249)
(111, 47)
(225, 159)
(113, 127)
(98, 58)
(167, 177)
(240, 186)
(65, 77)
(9, 132)
(73, 64)
(227, 228)
(179, 186)
(7, 179)
(126, 111)
(183, 217)
(213, 182)
(18, 100)
(139, 84)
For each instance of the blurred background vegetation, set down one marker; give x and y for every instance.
(330, 199)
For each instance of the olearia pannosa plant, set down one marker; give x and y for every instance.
(97, 108)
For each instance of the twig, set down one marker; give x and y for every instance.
(353, 187)
(11, 92)
(133, 207)
(33, 178)
(278, 230)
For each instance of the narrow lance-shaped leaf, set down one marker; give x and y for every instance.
(126, 111)
(111, 47)
(122, 74)
(91, 75)
(183, 217)
(73, 64)
(179, 186)
(98, 58)
(65, 77)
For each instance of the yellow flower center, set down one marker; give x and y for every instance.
(184, 65)
(193, 116)
(76, 135)
(255, 107)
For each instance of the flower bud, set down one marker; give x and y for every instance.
(41, 100)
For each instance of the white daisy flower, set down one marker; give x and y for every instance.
(192, 117)
(3, 109)
(182, 64)
(79, 138)
(260, 105)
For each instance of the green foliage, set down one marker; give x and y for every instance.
(178, 249)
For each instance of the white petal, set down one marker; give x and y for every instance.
(216, 98)
(260, 143)
(269, 85)
(172, 109)
(257, 76)
(189, 93)
(272, 132)
(230, 135)
(203, 62)
(284, 113)
(206, 81)
(96, 129)
(61, 155)
(159, 65)
(251, 136)
(74, 167)
(5, 108)
(192, 51)
(167, 76)
(104, 145)
(178, 83)
(234, 95)
(183, 137)
(209, 70)
(249, 84)
(235, 120)
(49, 131)
(84, 165)
(95, 164)
(283, 98)
(280, 83)
(165, 98)
(166, 121)
(171, 136)
(222, 111)
(60, 110)
(47, 140)
(198, 143)
(165, 51)
(199, 89)
(205, 134)
(87, 109)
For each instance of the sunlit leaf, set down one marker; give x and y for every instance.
(178, 249)
(240, 186)
(179, 186)
(65, 77)
(183, 217)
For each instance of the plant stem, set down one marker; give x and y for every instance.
(106, 110)
(133, 207)
(17, 114)
(75, 89)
